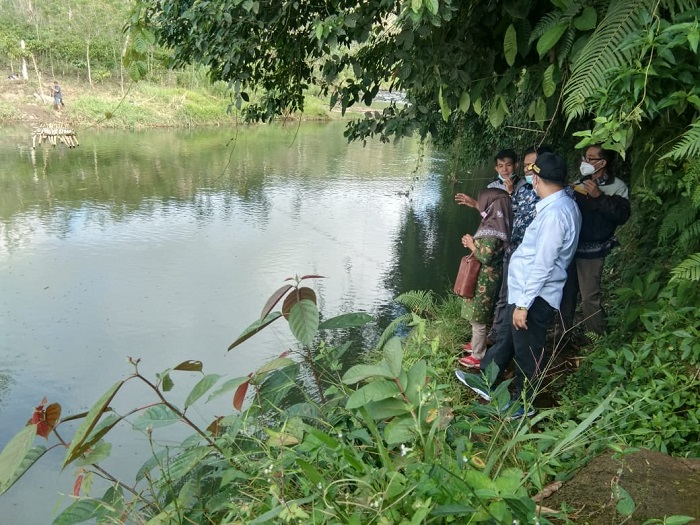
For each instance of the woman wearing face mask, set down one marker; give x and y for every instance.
(488, 245)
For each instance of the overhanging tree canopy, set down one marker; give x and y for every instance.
(626, 62)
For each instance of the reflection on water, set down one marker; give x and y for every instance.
(164, 245)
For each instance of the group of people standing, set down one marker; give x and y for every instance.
(540, 242)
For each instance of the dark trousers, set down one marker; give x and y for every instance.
(584, 276)
(526, 347)
(499, 314)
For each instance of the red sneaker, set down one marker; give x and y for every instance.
(467, 349)
(470, 362)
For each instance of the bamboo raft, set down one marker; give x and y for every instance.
(52, 134)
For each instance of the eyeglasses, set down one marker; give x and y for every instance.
(532, 167)
(590, 159)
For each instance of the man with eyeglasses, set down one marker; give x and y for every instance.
(604, 203)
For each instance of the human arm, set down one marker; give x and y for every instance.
(486, 250)
(466, 200)
(615, 208)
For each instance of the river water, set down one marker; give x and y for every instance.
(165, 245)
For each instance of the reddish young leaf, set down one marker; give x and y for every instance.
(274, 299)
(215, 427)
(296, 296)
(53, 414)
(190, 366)
(312, 276)
(45, 419)
(76, 486)
(239, 396)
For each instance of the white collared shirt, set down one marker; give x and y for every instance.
(538, 267)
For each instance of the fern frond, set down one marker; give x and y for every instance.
(390, 330)
(565, 46)
(603, 53)
(418, 301)
(677, 218)
(688, 270)
(690, 236)
(688, 145)
(547, 21)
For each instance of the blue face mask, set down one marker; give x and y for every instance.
(528, 179)
(503, 179)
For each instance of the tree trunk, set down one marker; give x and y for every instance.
(25, 76)
(87, 58)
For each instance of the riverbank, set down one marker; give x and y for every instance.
(133, 106)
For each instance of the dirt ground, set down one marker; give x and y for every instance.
(28, 105)
(658, 484)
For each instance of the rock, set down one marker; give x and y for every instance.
(660, 485)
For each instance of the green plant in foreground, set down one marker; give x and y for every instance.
(304, 447)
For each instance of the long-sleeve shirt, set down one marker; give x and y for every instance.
(538, 266)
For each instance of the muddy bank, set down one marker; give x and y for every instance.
(658, 484)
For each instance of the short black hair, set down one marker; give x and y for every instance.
(607, 155)
(506, 154)
(543, 148)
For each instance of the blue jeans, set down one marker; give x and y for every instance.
(525, 346)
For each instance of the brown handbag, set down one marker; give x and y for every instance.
(465, 284)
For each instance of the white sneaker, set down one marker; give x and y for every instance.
(461, 377)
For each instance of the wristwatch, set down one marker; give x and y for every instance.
(521, 308)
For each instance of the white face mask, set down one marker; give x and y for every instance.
(587, 169)
(528, 179)
(503, 179)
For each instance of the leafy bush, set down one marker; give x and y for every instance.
(404, 447)
(654, 369)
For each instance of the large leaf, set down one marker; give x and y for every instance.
(387, 408)
(156, 416)
(444, 106)
(359, 372)
(587, 19)
(201, 388)
(510, 45)
(551, 37)
(400, 430)
(229, 385)
(14, 455)
(279, 362)
(374, 391)
(274, 299)
(190, 366)
(185, 462)
(78, 445)
(393, 354)
(465, 102)
(79, 512)
(416, 381)
(99, 451)
(346, 321)
(548, 85)
(295, 297)
(303, 321)
(254, 329)
(239, 396)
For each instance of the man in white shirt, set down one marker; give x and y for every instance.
(536, 277)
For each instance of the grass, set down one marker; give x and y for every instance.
(179, 101)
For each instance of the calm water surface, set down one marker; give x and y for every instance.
(164, 246)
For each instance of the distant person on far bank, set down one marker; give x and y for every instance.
(57, 96)
(604, 203)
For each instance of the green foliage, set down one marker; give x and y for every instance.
(655, 363)
(395, 449)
